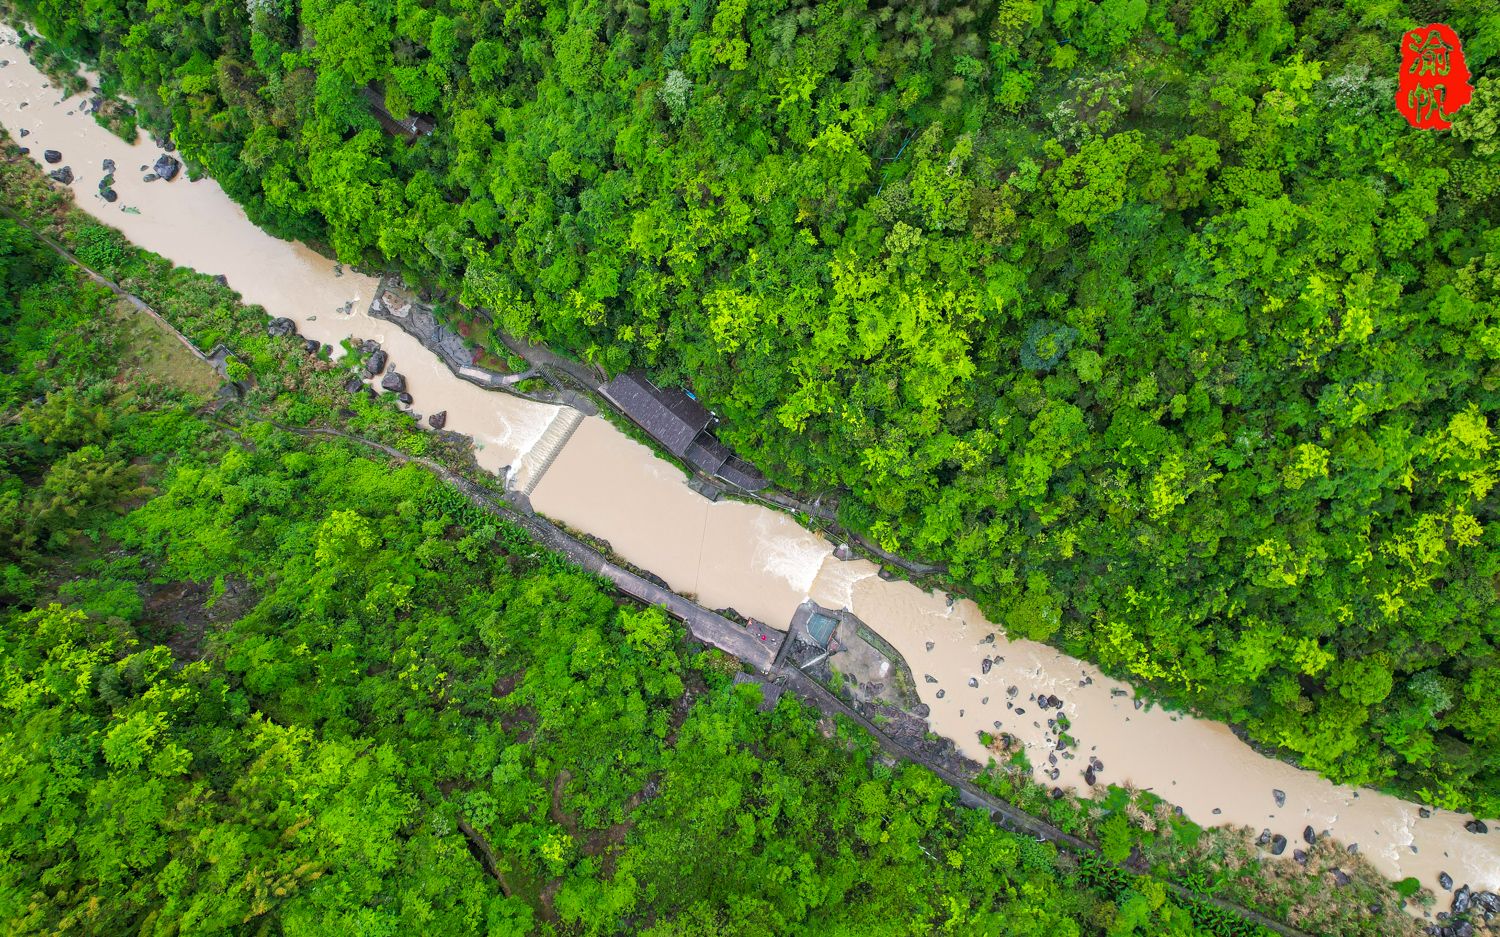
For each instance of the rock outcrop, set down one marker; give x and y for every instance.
(167, 167)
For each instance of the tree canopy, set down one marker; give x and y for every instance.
(1153, 321)
(253, 684)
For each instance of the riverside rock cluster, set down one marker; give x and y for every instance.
(1468, 911)
(166, 168)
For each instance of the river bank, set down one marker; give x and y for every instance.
(752, 559)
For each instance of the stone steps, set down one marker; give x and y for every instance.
(534, 464)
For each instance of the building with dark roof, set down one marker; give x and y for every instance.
(742, 474)
(680, 423)
(672, 417)
(707, 454)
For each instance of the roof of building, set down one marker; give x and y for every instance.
(820, 628)
(674, 418)
(738, 472)
(707, 454)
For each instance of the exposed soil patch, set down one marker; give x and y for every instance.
(693, 687)
(179, 616)
(507, 684)
(519, 721)
(607, 842)
(603, 842)
(548, 899)
(561, 817)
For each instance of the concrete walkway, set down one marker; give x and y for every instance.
(709, 628)
(718, 631)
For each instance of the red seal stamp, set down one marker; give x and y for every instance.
(1434, 81)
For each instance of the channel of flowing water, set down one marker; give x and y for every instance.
(753, 559)
(194, 224)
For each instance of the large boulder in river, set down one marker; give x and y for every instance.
(375, 363)
(1278, 844)
(109, 194)
(1462, 900)
(109, 165)
(63, 175)
(312, 346)
(1476, 826)
(166, 167)
(393, 382)
(52, 156)
(280, 327)
(439, 419)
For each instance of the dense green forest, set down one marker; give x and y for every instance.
(1152, 320)
(135, 523)
(250, 684)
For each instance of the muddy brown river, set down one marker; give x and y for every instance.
(756, 560)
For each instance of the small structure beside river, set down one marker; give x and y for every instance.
(836, 648)
(681, 424)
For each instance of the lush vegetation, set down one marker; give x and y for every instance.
(1152, 320)
(278, 379)
(1329, 891)
(250, 684)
